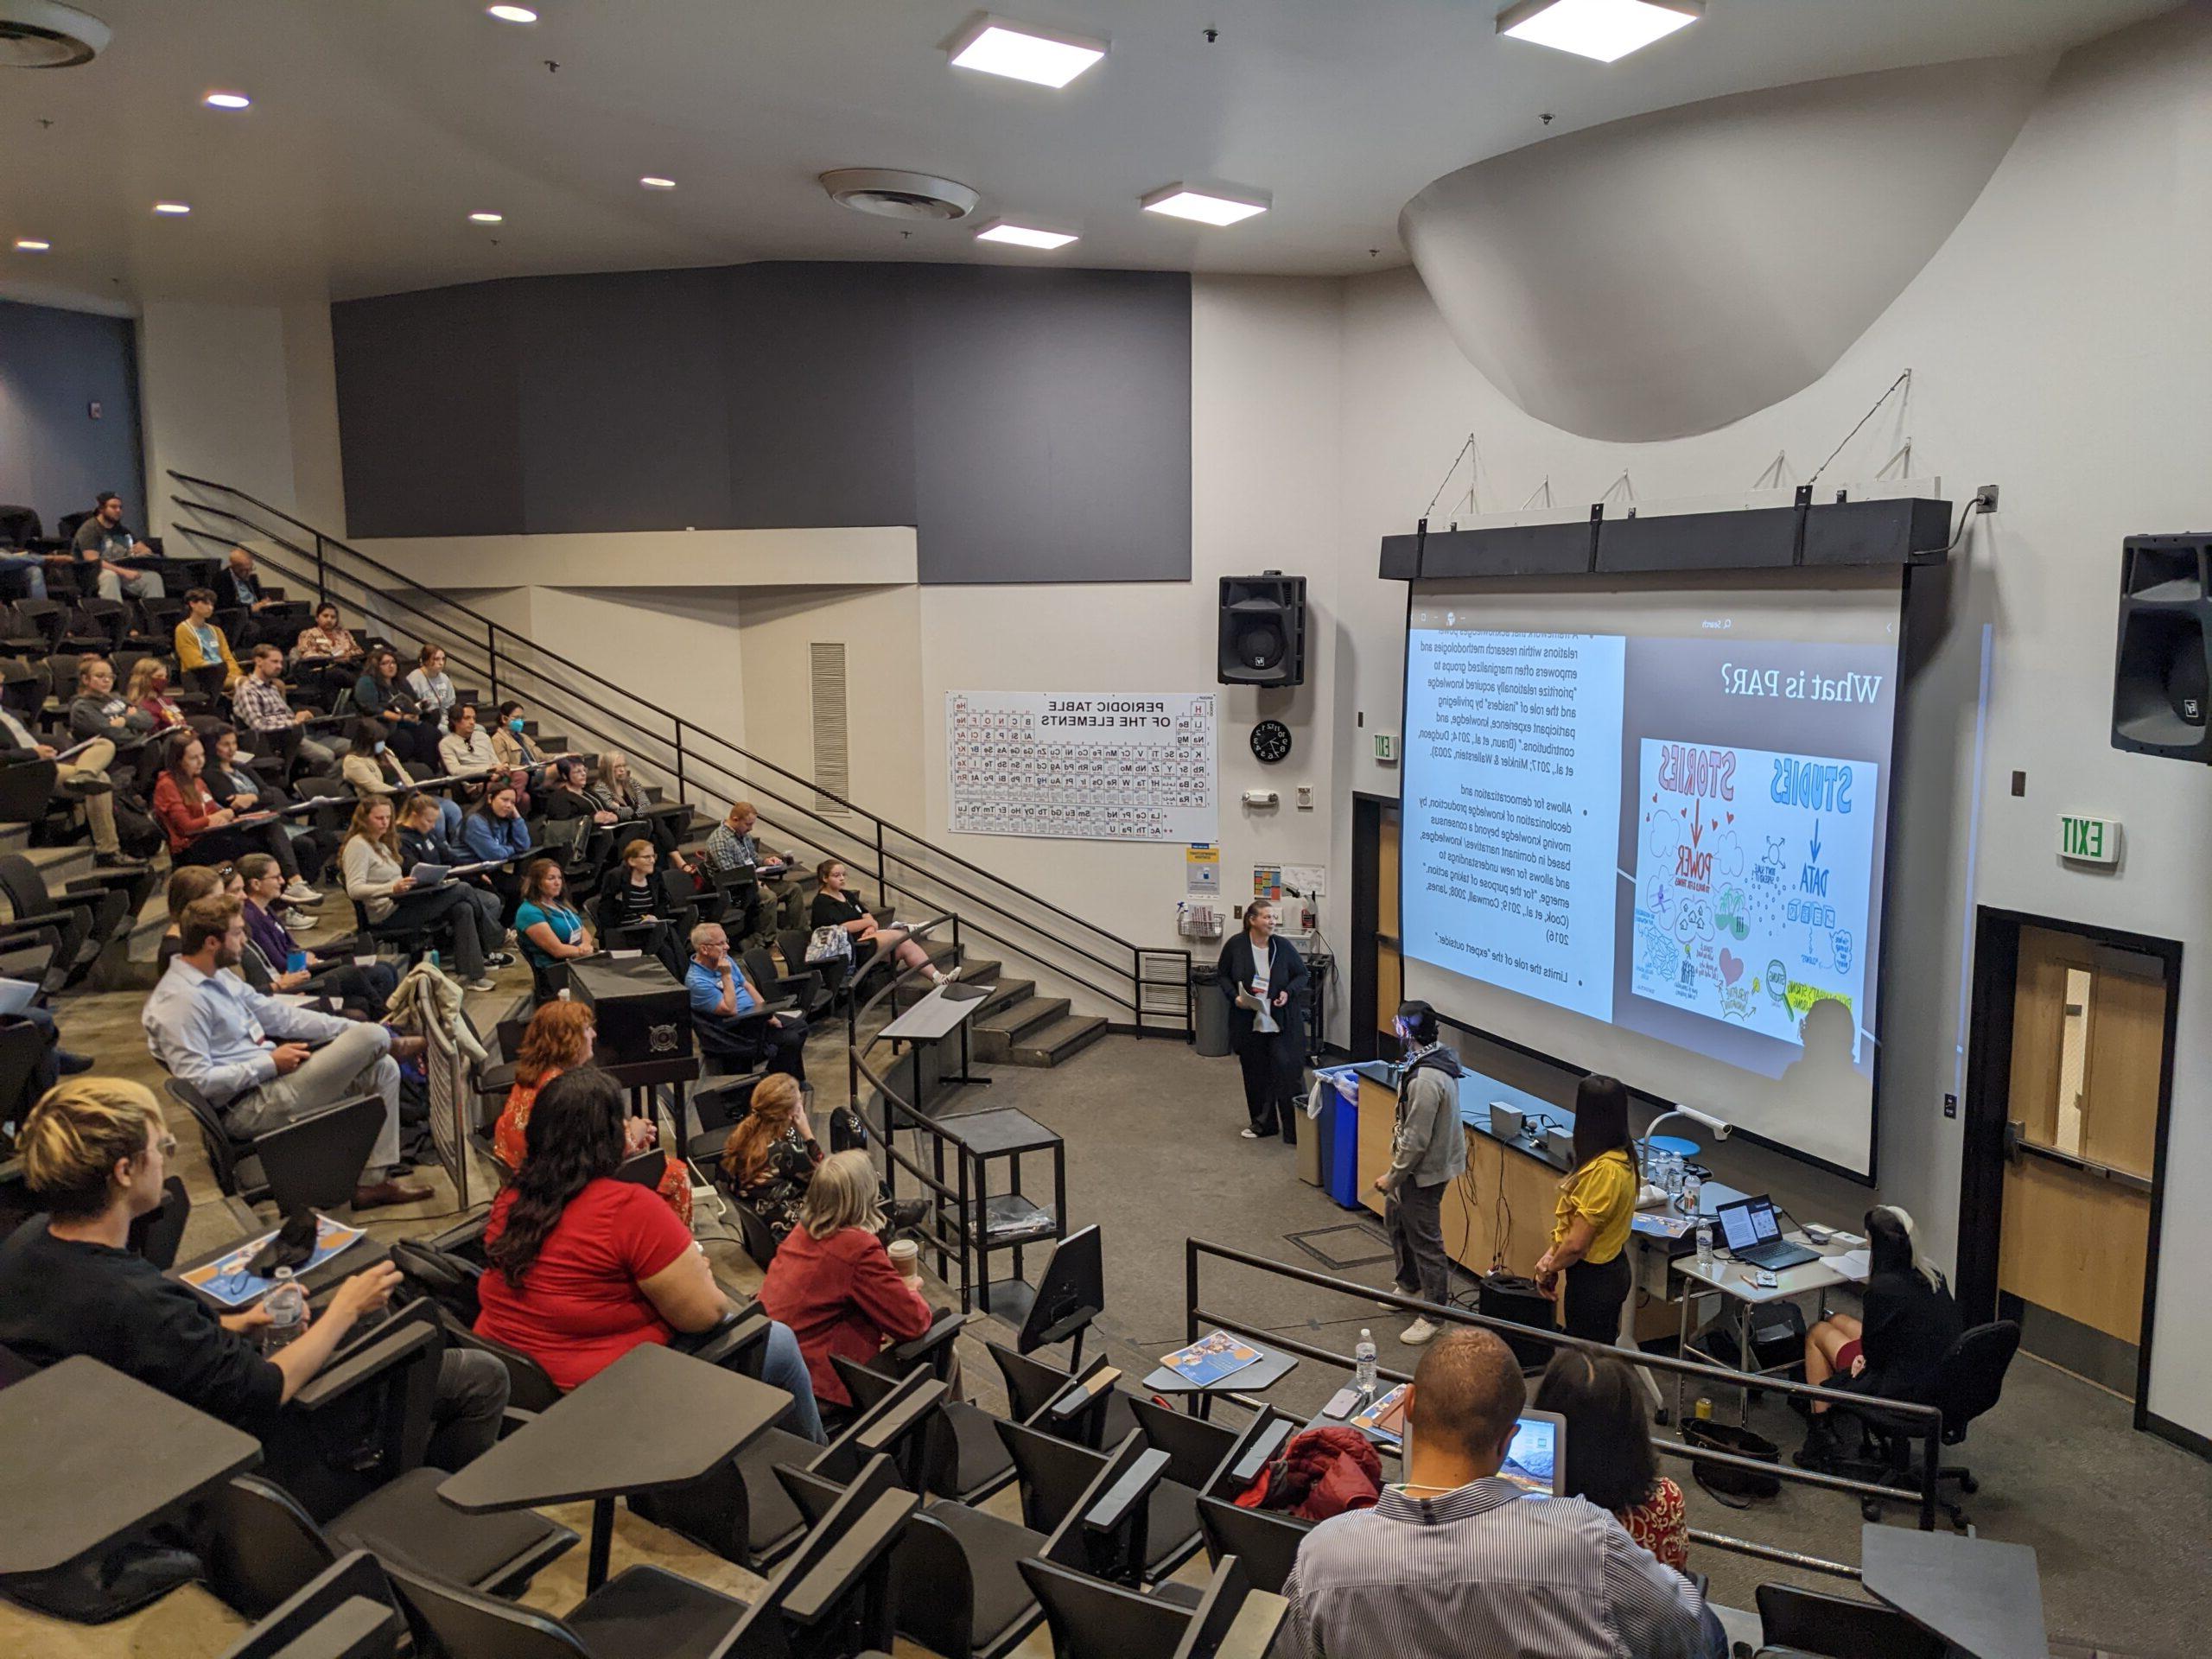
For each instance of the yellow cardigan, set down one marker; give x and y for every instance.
(189, 656)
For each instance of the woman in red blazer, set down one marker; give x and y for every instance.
(202, 829)
(832, 1280)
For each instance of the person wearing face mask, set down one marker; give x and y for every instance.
(515, 748)
(1428, 1151)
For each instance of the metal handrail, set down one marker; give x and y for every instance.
(693, 745)
(1929, 1418)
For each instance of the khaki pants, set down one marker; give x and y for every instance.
(90, 766)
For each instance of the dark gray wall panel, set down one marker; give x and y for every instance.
(1052, 425)
(427, 421)
(1033, 425)
(53, 456)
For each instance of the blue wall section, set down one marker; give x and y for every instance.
(53, 456)
(1033, 425)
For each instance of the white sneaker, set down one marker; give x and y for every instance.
(1247, 1135)
(1392, 1307)
(480, 985)
(298, 893)
(1416, 1334)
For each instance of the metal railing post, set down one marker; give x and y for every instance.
(321, 580)
(682, 793)
(491, 660)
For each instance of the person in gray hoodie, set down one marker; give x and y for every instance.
(1428, 1150)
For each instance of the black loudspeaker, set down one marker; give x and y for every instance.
(2162, 667)
(1262, 630)
(1508, 1296)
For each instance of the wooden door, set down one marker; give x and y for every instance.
(1389, 972)
(2088, 1042)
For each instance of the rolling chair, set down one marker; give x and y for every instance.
(1968, 1380)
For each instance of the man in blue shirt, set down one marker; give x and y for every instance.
(721, 998)
(250, 1055)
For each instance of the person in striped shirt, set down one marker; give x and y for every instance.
(1458, 1563)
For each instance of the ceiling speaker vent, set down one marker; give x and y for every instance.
(891, 194)
(46, 35)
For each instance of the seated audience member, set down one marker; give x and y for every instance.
(721, 993)
(465, 752)
(82, 777)
(423, 840)
(1609, 1456)
(632, 899)
(584, 1268)
(327, 654)
(238, 588)
(363, 992)
(494, 827)
(1896, 1350)
(99, 711)
(732, 847)
(203, 650)
(187, 882)
(614, 790)
(258, 701)
(430, 686)
(1324, 1470)
(102, 539)
(202, 830)
(376, 880)
(23, 574)
(515, 748)
(550, 931)
(1455, 1561)
(95, 1153)
(380, 692)
(559, 1039)
(148, 694)
(770, 1158)
(373, 766)
(214, 1031)
(832, 1280)
(238, 786)
(836, 905)
(567, 796)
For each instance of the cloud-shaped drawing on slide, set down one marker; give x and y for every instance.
(1666, 833)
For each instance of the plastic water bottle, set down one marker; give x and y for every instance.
(1363, 1364)
(287, 1312)
(1693, 1193)
(1704, 1243)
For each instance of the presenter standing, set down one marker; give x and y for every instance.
(1428, 1151)
(1586, 1268)
(1264, 980)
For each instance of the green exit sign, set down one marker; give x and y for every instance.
(2089, 840)
(1386, 746)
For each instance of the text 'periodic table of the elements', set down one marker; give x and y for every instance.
(1091, 765)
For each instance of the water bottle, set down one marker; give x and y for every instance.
(287, 1312)
(1704, 1243)
(1363, 1364)
(1693, 1193)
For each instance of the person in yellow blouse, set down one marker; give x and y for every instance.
(203, 654)
(1587, 1269)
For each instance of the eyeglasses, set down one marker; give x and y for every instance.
(164, 1148)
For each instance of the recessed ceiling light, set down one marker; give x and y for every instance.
(486, 218)
(31, 245)
(173, 209)
(1043, 56)
(512, 14)
(1209, 204)
(1604, 29)
(653, 182)
(1024, 236)
(227, 101)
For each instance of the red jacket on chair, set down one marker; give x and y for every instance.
(840, 1295)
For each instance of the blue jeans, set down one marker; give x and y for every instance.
(30, 568)
(450, 819)
(782, 1366)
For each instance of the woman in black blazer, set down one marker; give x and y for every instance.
(1274, 1061)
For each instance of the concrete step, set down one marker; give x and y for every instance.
(1059, 1042)
(974, 972)
(999, 1033)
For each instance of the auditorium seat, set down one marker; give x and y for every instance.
(1055, 1473)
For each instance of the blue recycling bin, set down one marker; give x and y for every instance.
(1340, 1127)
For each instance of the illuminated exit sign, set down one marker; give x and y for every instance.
(2089, 840)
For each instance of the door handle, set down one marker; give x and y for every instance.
(2015, 1129)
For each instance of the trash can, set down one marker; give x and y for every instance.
(1212, 1010)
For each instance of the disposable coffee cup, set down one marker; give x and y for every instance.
(907, 1256)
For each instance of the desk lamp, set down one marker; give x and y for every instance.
(1676, 1143)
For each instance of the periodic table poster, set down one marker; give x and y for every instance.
(1095, 766)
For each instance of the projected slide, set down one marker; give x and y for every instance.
(1648, 838)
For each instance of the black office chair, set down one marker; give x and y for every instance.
(1968, 1380)
(1055, 1473)
(1840, 1627)
(803, 985)
(313, 1162)
(345, 1612)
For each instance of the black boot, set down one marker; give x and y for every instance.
(1821, 1446)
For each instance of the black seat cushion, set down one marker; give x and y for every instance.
(771, 1516)
(407, 1523)
(992, 1547)
(646, 1613)
(979, 1458)
(1171, 1525)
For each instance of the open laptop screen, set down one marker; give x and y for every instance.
(1537, 1459)
(1748, 1222)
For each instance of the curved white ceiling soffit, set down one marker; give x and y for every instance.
(1673, 272)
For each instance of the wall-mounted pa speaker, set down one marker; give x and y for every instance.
(2162, 670)
(1262, 630)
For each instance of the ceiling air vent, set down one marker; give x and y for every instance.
(891, 194)
(46, 35)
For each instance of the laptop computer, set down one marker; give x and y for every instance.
(1753, 1234)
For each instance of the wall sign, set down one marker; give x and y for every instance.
(1092, 766)
(2089, 841)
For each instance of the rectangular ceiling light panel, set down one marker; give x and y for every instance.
(1604, 29)
(1042, 56)
(1207, 204)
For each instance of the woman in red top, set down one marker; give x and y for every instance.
(201, 831)
(832, 1280)
(584, 1268)
(559, 1040)
(1609, 1456)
